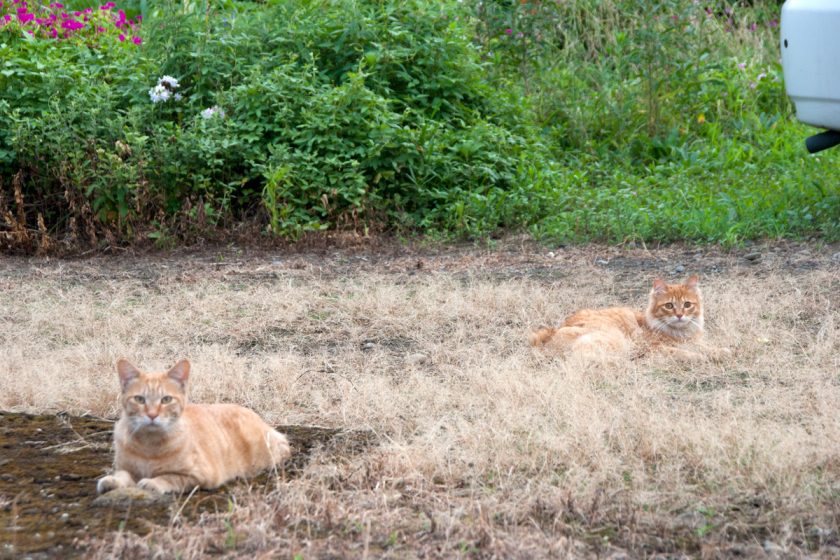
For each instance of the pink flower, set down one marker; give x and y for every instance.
(56, 5)
(24, 18)
(122, 37)
(136, 40)
(72, 24)
(509, 31)
(100, 29)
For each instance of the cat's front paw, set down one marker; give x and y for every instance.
(106, 484)
(154, 485)
(120, 479)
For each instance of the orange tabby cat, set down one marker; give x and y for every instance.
(164, 445)
(674, 315)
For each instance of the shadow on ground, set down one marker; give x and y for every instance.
(48, 470)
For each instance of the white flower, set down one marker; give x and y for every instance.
(213, 111)
(159, 94)
(164, 90)
(169, 82)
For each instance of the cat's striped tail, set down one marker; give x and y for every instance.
(542, 335)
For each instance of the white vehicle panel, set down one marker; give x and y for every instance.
(810, 45)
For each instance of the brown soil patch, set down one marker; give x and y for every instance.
(50, 466)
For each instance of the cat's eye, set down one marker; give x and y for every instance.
(166, 400)
(139, 399)
(669, 305)
(687, 304)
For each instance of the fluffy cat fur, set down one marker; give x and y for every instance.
(163, 444)
(674, 315)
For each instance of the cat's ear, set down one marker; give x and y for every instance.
(659, 286)
(180, 372)
(127, 372)
(692, 281)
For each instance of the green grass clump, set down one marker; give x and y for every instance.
(575, 121)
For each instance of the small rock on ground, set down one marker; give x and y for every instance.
(416, 359)
(772, 549)
(126, 496)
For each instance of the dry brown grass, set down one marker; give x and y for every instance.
(487, 448)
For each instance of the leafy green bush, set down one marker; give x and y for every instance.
(574, 120)
(321, 122)
(669, 122)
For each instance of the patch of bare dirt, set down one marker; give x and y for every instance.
(50, 464)
(507, 258)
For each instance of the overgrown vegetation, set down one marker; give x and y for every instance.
(572, 120)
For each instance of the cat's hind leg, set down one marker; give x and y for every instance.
(120, 479)
(600, 345)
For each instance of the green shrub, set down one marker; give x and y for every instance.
(573, 120)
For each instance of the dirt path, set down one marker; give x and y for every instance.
(505, 258)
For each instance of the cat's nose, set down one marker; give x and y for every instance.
(152, 414)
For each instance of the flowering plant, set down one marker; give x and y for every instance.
(165, 90)
(214, 111)
(54, 22)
